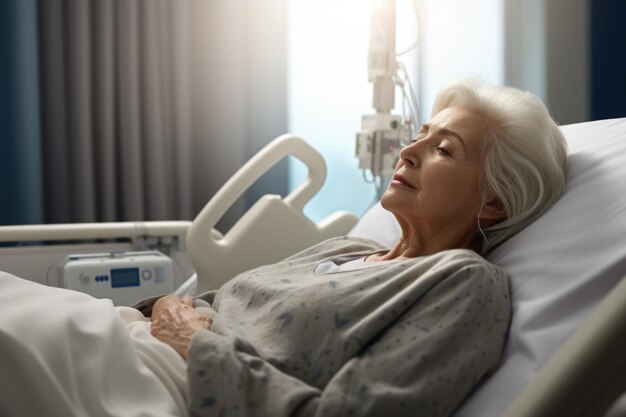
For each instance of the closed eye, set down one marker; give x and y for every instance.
(444, 151)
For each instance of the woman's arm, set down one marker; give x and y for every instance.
(175, 320)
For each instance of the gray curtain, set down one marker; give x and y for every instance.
(148, 106)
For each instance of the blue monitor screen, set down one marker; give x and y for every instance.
(127, 277)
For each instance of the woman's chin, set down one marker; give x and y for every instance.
(398, 203)
(387, 200)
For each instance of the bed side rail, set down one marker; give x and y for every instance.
(272, 229)
(92, 231)
(34, 252)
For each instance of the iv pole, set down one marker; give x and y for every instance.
(383, 134)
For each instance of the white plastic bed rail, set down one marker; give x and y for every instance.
(91, 231)
(272, 229)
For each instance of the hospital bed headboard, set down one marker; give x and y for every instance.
(272, 229)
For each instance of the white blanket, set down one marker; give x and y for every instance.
(64, 353)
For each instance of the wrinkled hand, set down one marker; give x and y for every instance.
(175, 320)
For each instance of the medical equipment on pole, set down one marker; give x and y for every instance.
(383, 134)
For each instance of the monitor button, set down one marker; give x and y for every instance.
(85, 278)
(146, 274)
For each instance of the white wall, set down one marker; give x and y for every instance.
(460, 38)
(547, 53)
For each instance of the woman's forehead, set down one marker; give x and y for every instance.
(469, 124)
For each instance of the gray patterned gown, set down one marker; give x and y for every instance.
(399, 338)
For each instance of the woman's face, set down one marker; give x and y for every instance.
(436, 182)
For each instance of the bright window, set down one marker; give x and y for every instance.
(329, 90)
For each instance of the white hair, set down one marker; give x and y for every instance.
(525, 154)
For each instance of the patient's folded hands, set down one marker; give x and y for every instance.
(175, 320)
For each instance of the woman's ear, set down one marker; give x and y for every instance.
(493, 210)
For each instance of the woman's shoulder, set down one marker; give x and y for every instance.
(464, 256)
(470, 264)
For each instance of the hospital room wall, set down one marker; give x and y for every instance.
(547, 53)
(570, 53)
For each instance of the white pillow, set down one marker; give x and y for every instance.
(560, 266)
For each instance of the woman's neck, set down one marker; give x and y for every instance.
(412, 246)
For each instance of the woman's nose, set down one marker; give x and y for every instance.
(410, 155)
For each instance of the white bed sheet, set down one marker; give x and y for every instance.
(67, 354)
(560, 267)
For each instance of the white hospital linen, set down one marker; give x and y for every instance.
(65, 353)
(164, 362)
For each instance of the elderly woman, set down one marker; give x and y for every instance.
(349, 328)
(344, 328)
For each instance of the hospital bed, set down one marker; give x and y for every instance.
(566, 350)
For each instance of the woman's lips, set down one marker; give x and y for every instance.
(400, 180)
